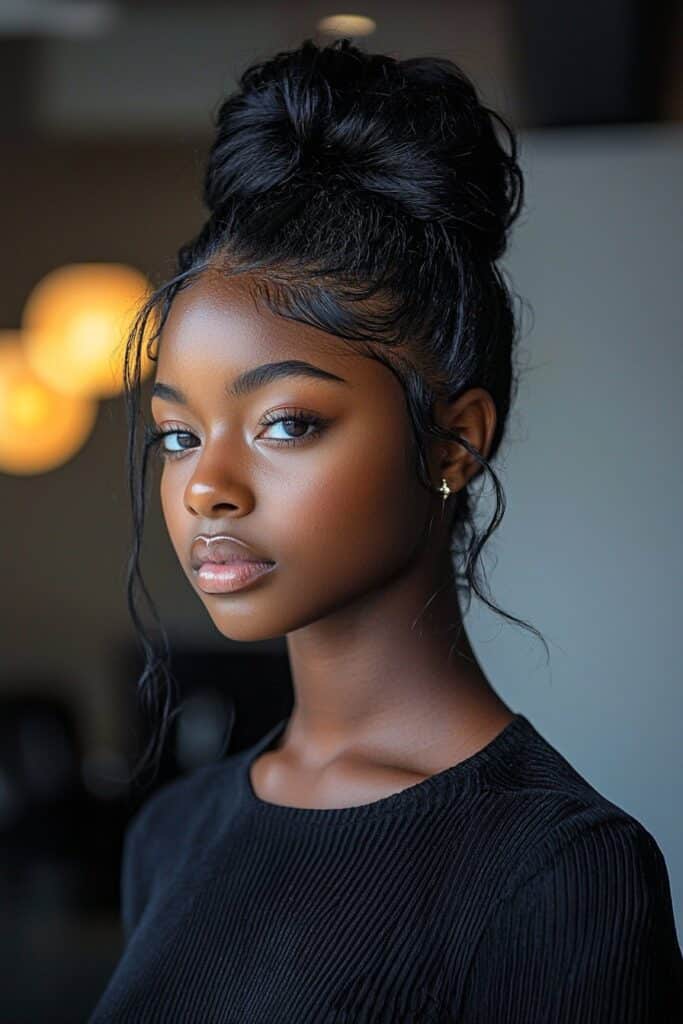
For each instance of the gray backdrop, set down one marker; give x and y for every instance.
(589, 550)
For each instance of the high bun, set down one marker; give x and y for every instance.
(411, 132)
(370, 197)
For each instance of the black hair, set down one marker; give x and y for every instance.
(370, 197)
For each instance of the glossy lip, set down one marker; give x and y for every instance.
(226, 578)
(221, 547)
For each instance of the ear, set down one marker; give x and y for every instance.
(473, 417)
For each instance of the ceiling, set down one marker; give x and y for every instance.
(151, 67)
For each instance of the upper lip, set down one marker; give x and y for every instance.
(221, 547)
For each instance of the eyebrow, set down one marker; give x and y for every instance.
(256, 377)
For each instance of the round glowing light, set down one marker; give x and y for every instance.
(347, 25)
(76, 323)
(39, 428)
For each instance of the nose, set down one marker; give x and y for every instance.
(214, 489)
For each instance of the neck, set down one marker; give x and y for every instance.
(396, 663)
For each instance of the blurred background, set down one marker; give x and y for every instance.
(106, 111)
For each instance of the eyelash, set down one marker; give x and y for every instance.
(154, 436)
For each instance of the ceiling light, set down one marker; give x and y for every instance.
(347, 25)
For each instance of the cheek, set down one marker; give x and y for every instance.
(361, 510)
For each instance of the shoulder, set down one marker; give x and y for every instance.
(176, 815)
(594, 855)
(183, 810)
(531, 767)
(535, 802)
(585, 928)
(182, 793)
(540, 819)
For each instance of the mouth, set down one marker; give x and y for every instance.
(235, 574)
(224, 550)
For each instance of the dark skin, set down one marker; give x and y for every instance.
(387, 689)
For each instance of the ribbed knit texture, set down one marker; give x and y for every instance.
(502, 890)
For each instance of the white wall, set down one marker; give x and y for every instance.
(589, 549)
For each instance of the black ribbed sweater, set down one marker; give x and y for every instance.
(502, 890)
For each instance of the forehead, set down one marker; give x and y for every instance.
(217, 321)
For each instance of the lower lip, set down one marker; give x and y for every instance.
(225, 577)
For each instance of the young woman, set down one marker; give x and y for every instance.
(334, 375)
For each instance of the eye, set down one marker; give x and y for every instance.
(154, 440)
(297, 418)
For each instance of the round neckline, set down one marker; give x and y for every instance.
(427, 791)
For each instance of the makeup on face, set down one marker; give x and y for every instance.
(223, 563)
(226, 577)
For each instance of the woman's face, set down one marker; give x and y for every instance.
(340, 510)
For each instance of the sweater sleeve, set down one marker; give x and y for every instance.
(589, 936)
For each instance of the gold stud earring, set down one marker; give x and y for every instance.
(444, 489)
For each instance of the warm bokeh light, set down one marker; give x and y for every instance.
(39, 428)
(75, 325)
(347, 25)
